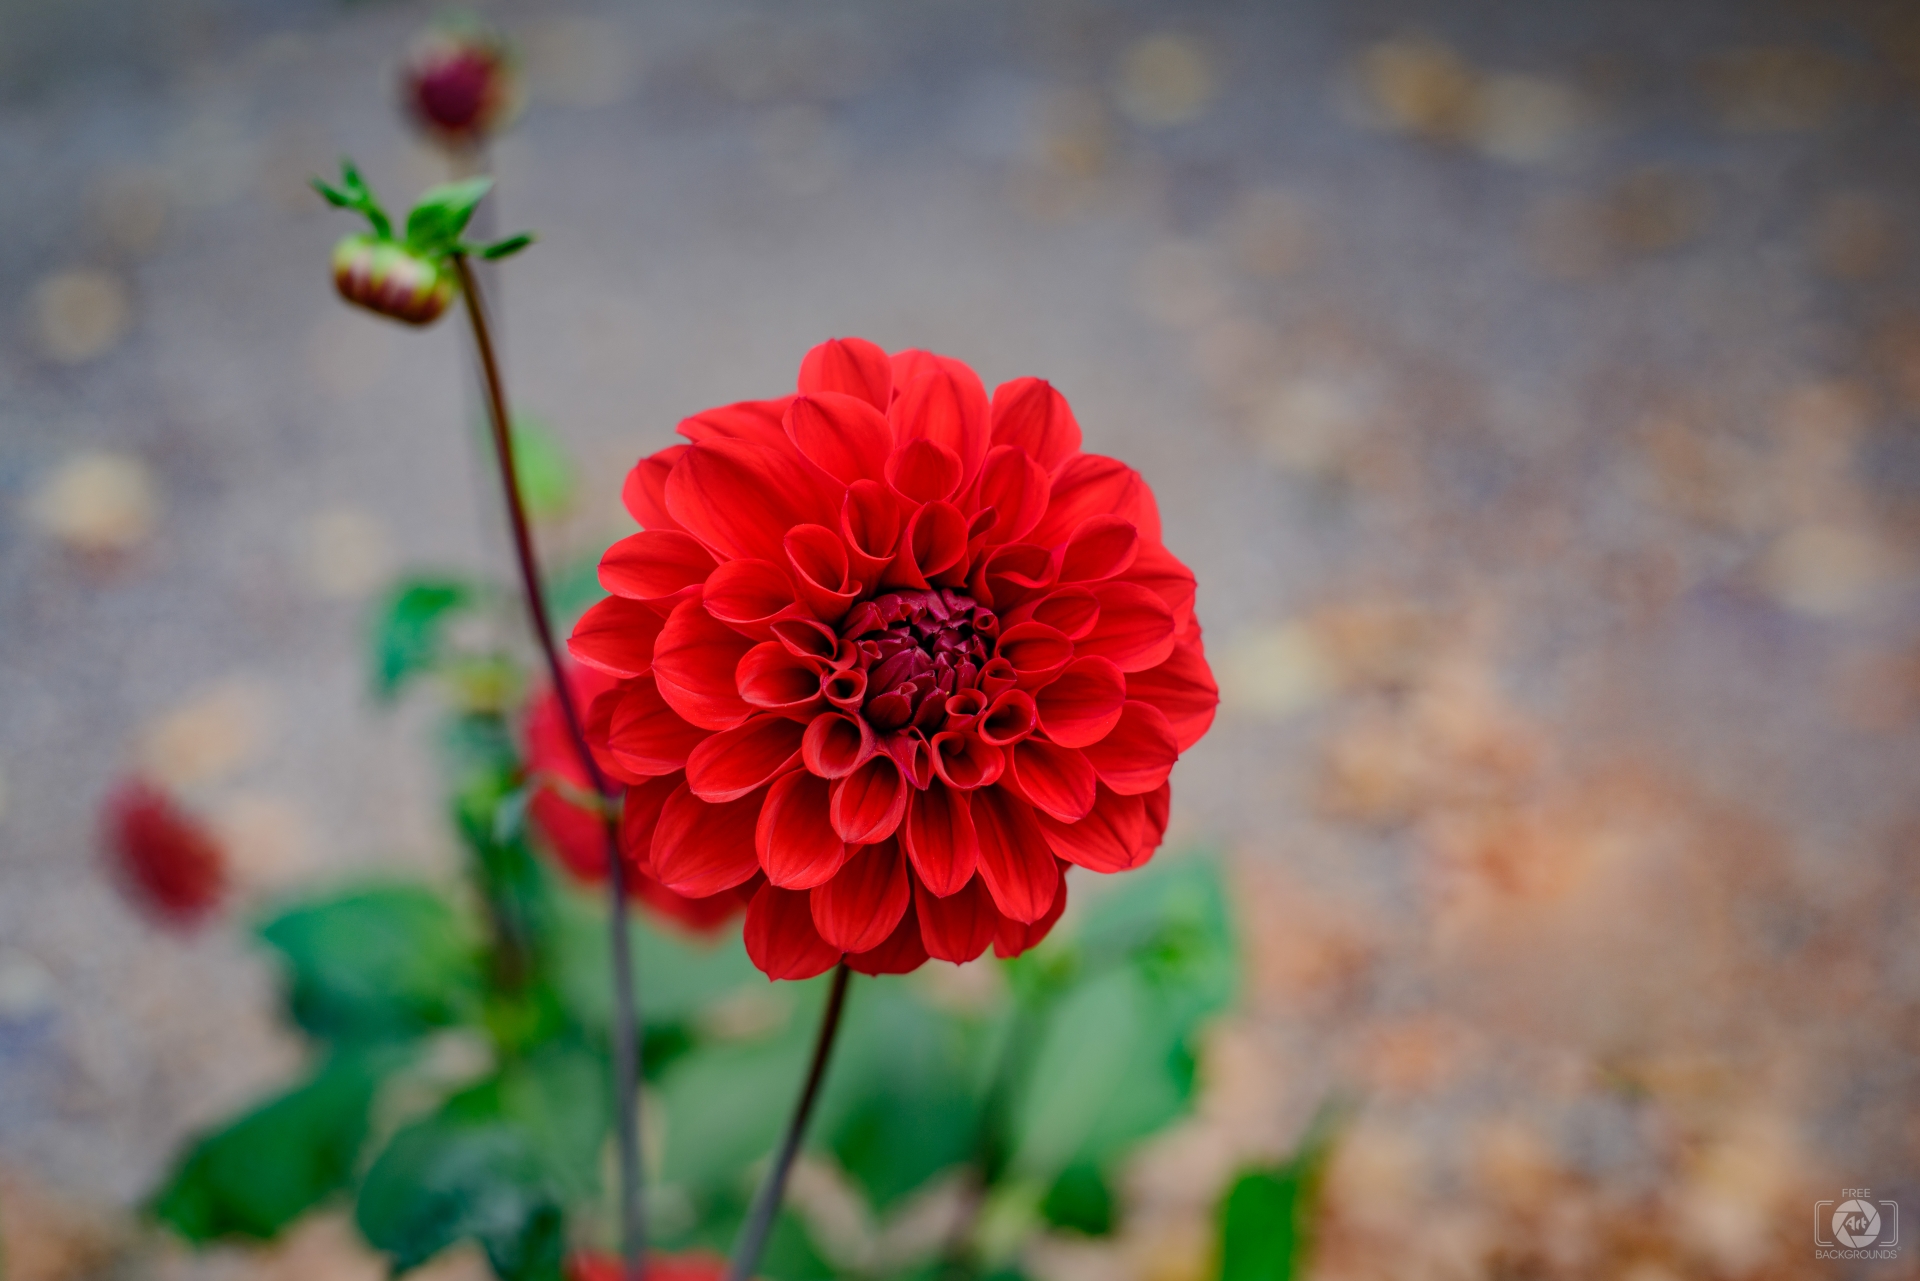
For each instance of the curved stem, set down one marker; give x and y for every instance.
(626, 1036)
(766, 1202)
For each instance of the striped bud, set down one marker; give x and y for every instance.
(383, 277)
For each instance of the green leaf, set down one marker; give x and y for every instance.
(1080, 1199)
(506, 248)
(544, 470)
(270, 1166)
(355, 194)
(435, 224)
(378, 963)
(725, 1105)
(409, 629)
(1266, 1218)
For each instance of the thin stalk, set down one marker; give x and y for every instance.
(766, 1202)
(626, 1037)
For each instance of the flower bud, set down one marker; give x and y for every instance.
(459, 84)
(383, 276)
(165, 859)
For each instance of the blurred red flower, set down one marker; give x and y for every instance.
(166, 860)
(562, 812)
(459, 83)
(893, 653)
(692, 1266)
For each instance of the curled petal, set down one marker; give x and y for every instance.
(965, 761)
(1080, 705)
(846, 689)
(599, 729)
(1108, 839)
(1037, 653)
(734, 762)
(941, 400)
(850, 366)
(773, 677)
(844, 436)
(646, 737)
(701, 849)
(940, 839)
(644, 492)
(1183, 688)
(1099, 548)
(861, 906)
(781, 939)
(1136, 629)
(996, 678)
(750, 596)
(837, 743)
(902, 953)
(740, 499)
(1015, 861)
(760, 422)
(908, 748)
(935, 542)
(1029, 414)
(1015, 486)
(870, 522)
(795, 840)
(956, 928)
(869, 803)
(1093, 485)
(1011, 717)
(654, 565)
(1055, 780)
(1011, 937)
(694, 661)
(924, 471)
(1138, 754)
(821, 570)
(1157, 570)
(640, 815)
(616, 636)
(964, 708)
(1008, 576)
(1073, 611)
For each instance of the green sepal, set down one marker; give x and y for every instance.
(434, 226)
(354, 193)
(506, 248)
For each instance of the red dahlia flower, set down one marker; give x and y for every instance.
(892, 653)
(563, 811)
(460, 84)
(693, 1266)
(167, 860)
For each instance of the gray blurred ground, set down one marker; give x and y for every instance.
(1534, 391)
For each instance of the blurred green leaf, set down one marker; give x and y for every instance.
(408, 629)
(573, 588)
(725, 1105)
(543, 467)
(506, 248)
(1266, 1218)
(435, 224)
(1080, 1199)
(273, 1164)
(680, 976)
(378, 963)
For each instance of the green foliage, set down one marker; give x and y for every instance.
(1080, 1199)
(1266, 1218)
(443, 212)
(506, 248)
(377, 964)
(260, 1172)
(544, 470)
(353, 193)
(409, 629)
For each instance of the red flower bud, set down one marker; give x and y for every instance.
(166, 860)
(695, 1265)
(459, 84)
(384, 277)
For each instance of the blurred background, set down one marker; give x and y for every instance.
(1535, 391)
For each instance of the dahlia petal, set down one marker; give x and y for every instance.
(734, 762)
(1138, 754)
(808, 639)
(780, 937)
(925, 471)
(1010, 575)
(1009, 718)
(694, 661)
(1094, 485)
(616, 636)
(956, 928)
(1099, 548)
(902, 953)
(850, 366)
(771, 676)
(1029, 414)
(1015, 486)
(599, 728)
(820, 569)
(836, 743)
(845, 437)
(795, 840)
(646, 736)
(1081, 704)
(943, 402)
(1136, 629)
(749, 596)
(1183, 688)
(966, 761)
(1072, 611)
(870, 522)
(940, 839)
(1011, 937)
(761, 422)
(1054, 780)
(869, 803)
(640, 816)
(1108, 839)
(1161, 573)
(934, 543)
(740, 499)
(644, 491)
(909, 751)
(701, 849)
(1037, 652)
(654, 565)
(1015, 861)
(860, 907)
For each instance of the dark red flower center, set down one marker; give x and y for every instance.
(918, 650)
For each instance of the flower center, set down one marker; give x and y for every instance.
(918, 649)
